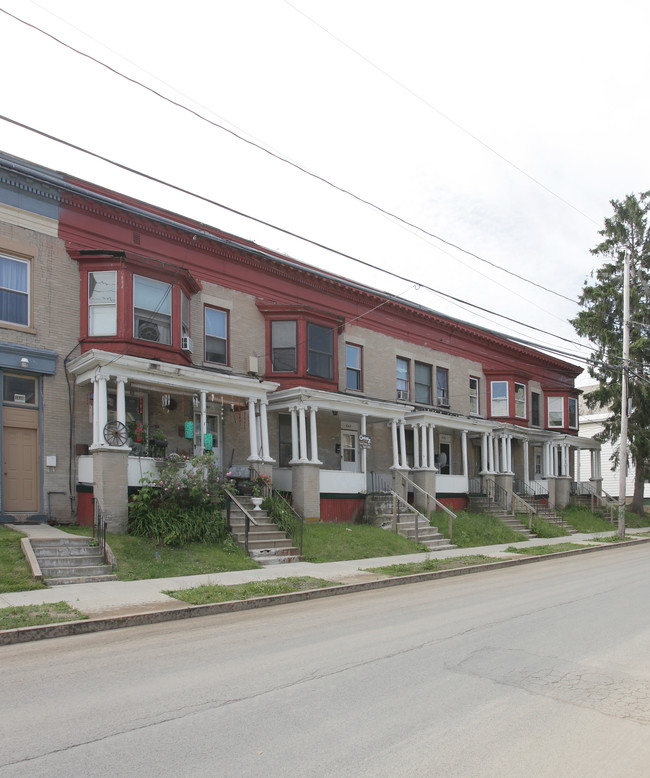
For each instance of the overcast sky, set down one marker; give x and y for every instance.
(504, 128)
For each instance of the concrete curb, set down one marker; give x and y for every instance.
(28, 634)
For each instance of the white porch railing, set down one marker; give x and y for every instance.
(452, 484)
(331, 481)
(138, 467)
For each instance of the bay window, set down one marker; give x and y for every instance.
(499, 398)
(102, 303)
(555, 407)
(573, 413)
(520, 401)
(152, 310)
(283, 346)
(320, 350)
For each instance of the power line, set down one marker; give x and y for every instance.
(280, 229)
(299, 167)
(443, 115)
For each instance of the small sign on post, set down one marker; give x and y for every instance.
(365, 441)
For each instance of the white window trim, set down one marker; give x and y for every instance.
(525, 413)
(28, 293)
(576, 425)
(500, 399)
(476, 394)
(548, 412)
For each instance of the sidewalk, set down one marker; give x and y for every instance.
(120, 598)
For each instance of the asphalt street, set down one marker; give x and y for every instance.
(539, 670)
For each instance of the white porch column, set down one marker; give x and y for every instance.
(252, 428)
(463, 443)
(402, 445)
(504, 454)
(204, 421)
(393, 429)
(485, 462)
(526, 463)
(96, 440)
(364, 450)
(302, 433)
(565, 460)
(509, 453)
(578, 464)
(490, 448)
(416, 446)
(432, 447)
(102, 409)
(314, 435)
(546, 460)
(120, 409)
(426, 454)
(295, 447)
(264, 426)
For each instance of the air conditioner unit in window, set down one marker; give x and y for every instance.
(186, 344)
(444, 401)
(402, 394)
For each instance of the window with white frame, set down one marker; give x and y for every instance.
(14, 290)
(152, 310)
(474, 385)
(353, 367)
(102, 303)
(499, 398)
(520, 401)
(555, 406)
(422, 383)
(216, 335)
(402, 378)
(573, 413)
(284, 346)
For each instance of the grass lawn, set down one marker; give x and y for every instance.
(139, 558)
(433, 565)
(544, 529)
(15, 572)
(337, 542)
(202, 595)
(539, 550)
(34, 615)
(478, 529)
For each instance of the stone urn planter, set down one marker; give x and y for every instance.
(257, 503)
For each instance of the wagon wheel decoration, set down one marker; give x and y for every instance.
(115, 433)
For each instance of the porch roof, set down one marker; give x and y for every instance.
(375, 410)
(153, 375)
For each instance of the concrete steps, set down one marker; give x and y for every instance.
(71, 560)
(267, 544)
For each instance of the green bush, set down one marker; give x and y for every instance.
(182, 503)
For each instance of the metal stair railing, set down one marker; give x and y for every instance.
(248, 519)
(429, 499)
(99, 525)
(398, 503)
(283, 513)
(603, 500)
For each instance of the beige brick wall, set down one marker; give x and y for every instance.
(55, 326)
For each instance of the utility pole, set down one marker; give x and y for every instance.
(622, 477)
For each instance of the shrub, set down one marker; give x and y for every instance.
(182, 503)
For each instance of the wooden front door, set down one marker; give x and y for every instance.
(20, 473)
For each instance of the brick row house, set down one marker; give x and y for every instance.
(115, 310)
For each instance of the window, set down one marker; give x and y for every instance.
(520, 401)
(14, 290)
(556, 411)
(473, 395)
(320, 351)
(216, 336)
(402, 378)
(499, 397)
(422, 383)
(442, 386)
(19, 389)
(283, 346)
(185, 316)
(534, 409)
(102, 303)
(152, 310)
(573, 413)
(353, 367)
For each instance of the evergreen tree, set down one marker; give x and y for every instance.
(601, 320)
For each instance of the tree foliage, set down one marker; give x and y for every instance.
(601, 320)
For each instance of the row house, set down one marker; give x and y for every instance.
(113, 310)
